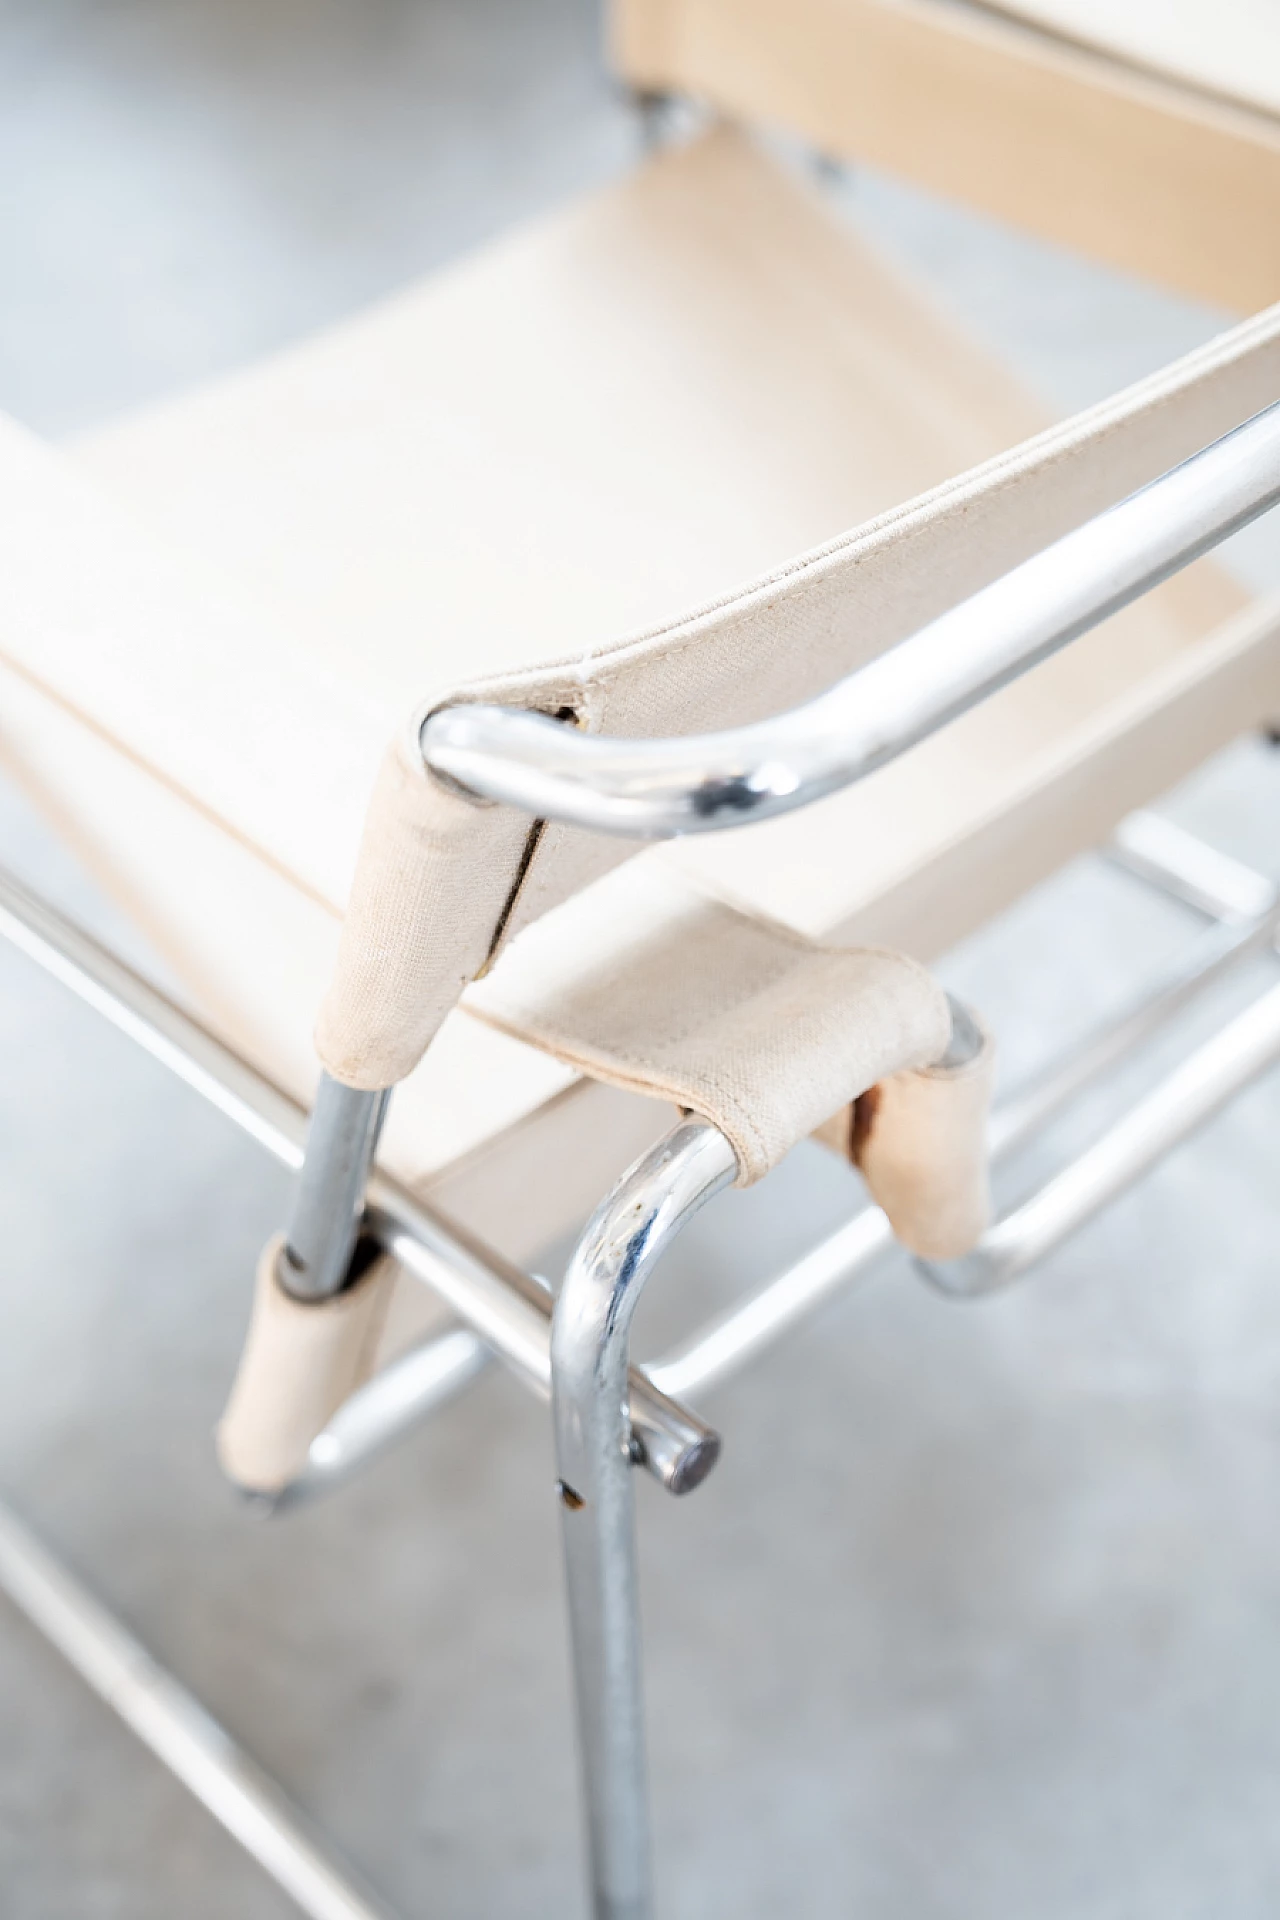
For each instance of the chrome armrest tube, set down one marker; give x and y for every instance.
(654, 789)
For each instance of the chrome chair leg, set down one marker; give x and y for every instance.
(594, 1453)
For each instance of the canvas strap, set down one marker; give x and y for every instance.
(769, 1036)
(761, 1031)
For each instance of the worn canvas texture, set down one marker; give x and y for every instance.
(409, 933)
(759, 1030)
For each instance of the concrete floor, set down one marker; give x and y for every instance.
(981, 1616)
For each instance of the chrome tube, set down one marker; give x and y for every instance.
(510, 1310)
(621, 1245)
(1217, 951)
(1183, 1101)
(177, 1729)
(397, 1399)
(715, 1352)
(154, 1022)
(1167, 857)
(327, 1209)
(651, 789)
(729, 1343)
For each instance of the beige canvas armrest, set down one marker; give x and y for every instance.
(649, 985)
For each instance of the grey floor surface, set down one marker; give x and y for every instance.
(980, 1618)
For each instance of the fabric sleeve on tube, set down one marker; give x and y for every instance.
(301, 1360)
(441, 882)
(433, 881)
(920, 1141)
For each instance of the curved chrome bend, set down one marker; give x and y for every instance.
(1188, 1096)
(652, 789)
(995, 1263)
(623, 1242)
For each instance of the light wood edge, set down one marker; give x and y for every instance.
(1131, 168)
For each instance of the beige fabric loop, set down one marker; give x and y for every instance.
(919, 1139)
(762, 1032)
(301, 1360)
(439, 883)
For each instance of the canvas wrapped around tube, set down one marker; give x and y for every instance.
(759, 1030)
(919, 1138)
(687, 999)
(442, 883)
(301, 1360)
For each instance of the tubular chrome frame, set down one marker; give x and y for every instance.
(636, 1224)
(329, 1204)
(507, 1312)
(1167, 857)
(398, 1398)
(590, 1336)
(721, 1349)
(1182, 1102)
(180, 1732)
(651, 789)
(609, 1415)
